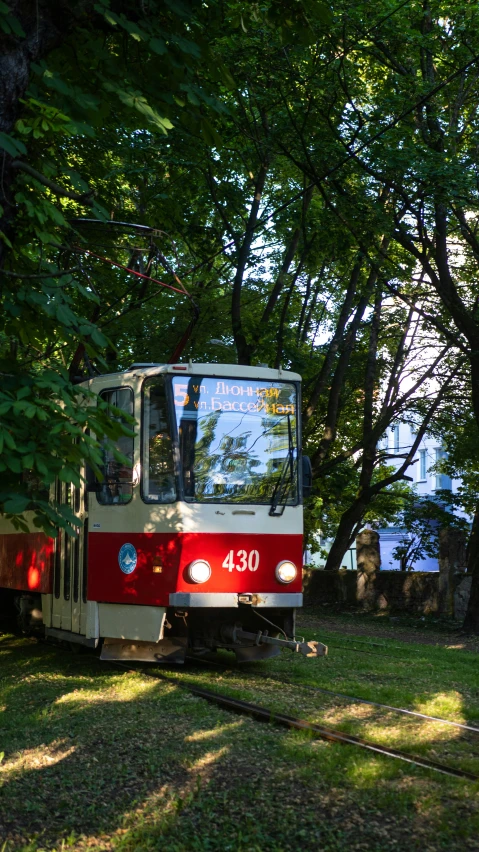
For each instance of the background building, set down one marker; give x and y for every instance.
(398, 441)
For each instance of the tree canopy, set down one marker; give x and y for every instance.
(291, 183)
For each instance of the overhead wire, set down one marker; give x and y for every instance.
(136, 272)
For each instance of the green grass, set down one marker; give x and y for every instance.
(97, 759)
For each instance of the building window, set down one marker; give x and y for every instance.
(395, 434)
(442, 480)
(422, 465)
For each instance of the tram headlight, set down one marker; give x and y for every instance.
(286, 571)
(199, 571)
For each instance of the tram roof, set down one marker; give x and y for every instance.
(194, 369)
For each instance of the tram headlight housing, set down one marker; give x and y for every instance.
(199, 571)
(286, 571)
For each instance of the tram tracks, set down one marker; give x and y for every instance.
(355, 699)
(317, 731)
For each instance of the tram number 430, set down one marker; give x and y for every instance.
(245, 560)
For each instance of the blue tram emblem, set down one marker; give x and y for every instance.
(127, 558)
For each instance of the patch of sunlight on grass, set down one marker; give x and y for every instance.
(447, 704)
(198, 736)
(367, 773)
(419, 735)
(37, 758)
(455, 647)
(143, 826)
(389, 729)
(156, 810)
(357, 712)
(207, 760)
(121, 690)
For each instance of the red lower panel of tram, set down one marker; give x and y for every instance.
(26, 562)
(239, 563)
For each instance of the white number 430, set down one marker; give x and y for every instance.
(246, 560)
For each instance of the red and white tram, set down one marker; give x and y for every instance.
(196, 544)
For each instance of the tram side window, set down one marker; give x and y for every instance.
(158, 464)
(117, 486)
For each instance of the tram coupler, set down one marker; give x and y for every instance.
(307, 649)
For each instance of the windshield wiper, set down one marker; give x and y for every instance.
(282, 487)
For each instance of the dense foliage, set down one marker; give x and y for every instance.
(306, 182)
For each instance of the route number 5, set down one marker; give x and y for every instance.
(245, 560)
(181, 397)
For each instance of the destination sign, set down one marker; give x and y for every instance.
(232, 395)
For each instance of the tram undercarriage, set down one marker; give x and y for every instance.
(249, 634)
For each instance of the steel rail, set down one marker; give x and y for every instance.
(463, 725)
(265, 676)
(406, 712)
(265, 714)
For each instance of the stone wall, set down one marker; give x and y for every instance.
(446, 592)
(329, 587)
(398, 591)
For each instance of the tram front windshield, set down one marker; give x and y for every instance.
(237, 438)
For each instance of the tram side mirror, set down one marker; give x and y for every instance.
(307, 476)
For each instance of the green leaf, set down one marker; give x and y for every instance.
(16, 26)
(14, 464)
(9, 440)
(12, 146)
(5, 240)
(111, 18)
(23, 392)
(64, 315)
(209, 134)
(98, 338)
(69, 474)
(16, 504)
(41, 466)
(158, 46)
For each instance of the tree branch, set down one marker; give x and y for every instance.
(85, 199)
(41, 275)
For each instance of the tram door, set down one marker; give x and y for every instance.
(70, 564)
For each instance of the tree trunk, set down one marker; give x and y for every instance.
(471, 621)
(344, 535)
(243, 348)
(45, 28)
(334, 346)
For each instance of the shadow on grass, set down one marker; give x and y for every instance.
(97, 759)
